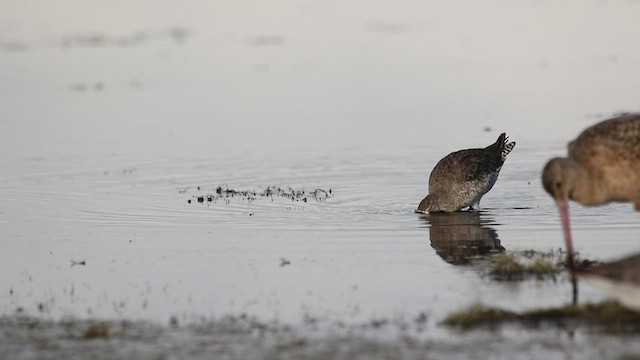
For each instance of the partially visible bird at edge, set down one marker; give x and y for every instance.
(602, 166)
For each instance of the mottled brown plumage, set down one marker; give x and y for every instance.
(603, 166)
(461, 178)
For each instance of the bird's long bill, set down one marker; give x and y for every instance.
(563, 210)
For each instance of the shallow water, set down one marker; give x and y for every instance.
(112, 124)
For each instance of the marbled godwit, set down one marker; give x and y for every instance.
(461, 178)
(603, 166)
(621, 279)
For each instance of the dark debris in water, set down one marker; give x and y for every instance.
(98, 39)
(284, 262)
(265, 40)
(226, 194)
(15, 46)
(80, 262)
(607, 315)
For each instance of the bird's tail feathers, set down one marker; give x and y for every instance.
(502, 146)
(507, 149)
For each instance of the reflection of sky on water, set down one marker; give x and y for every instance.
(109, 107)
(280, 70)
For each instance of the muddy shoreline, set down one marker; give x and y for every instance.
(243, 337)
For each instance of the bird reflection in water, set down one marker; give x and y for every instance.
(460, 237)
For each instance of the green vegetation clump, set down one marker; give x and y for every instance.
(97, 329)
(476, 315)
(541, 267)
(607, 315)
(527, 264)
(507, 267)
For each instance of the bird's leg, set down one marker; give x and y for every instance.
(574, 286)
(563, 209)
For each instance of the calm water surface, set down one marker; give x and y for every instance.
(110, 126)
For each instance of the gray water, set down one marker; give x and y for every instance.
(114, 116)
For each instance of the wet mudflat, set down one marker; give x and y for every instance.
(229, 185)
(247, 338)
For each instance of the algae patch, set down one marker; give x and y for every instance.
(477, 314)
(607, 316)
(97, 329)
(526, 264)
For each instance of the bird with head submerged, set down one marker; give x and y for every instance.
(603, 165)
(461, 179)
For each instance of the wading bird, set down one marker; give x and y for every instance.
(603, 166)
(461, 178)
